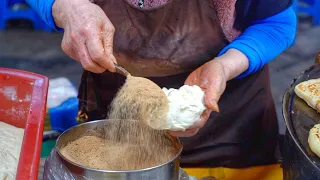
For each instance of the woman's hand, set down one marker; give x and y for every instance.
(88, 34)
(212, 78)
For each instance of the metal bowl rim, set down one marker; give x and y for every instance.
(113, 171)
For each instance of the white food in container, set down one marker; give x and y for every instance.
(11, 139)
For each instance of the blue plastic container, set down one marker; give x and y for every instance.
(64, 116)
(6, 14)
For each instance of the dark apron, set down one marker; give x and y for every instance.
(166, 44)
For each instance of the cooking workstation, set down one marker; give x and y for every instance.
(116, 148)
(125, 124)
(299, 157)
(301, 154)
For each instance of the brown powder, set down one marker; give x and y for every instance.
(131, 142)
(95, 152)
(140, 99)
(122, 145)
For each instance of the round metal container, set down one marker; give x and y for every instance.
(299, 162)
(167, 171)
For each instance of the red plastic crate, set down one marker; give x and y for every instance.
(23, 98)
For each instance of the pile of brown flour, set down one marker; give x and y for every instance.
(95, 152)
(125, 144)
(122, 145)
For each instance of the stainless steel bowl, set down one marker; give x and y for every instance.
(167, 171)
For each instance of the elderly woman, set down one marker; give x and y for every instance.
(222, 46)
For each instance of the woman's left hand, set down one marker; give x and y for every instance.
(212, 78)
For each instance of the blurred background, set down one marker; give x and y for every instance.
(27, 43)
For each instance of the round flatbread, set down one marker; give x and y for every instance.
(314, 139)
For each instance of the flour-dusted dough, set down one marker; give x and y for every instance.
(10, 146)
(314, 139)
(186, 105)
(309, 91)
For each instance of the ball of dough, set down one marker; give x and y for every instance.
(314, 139)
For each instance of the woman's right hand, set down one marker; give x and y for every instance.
(88, 34)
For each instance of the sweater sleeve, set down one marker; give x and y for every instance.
(265, 39)
(44, 9)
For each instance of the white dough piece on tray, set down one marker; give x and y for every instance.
(314, 139)
(309, 91)
(11, 139)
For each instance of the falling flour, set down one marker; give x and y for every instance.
(141, 99)
(131, 142)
